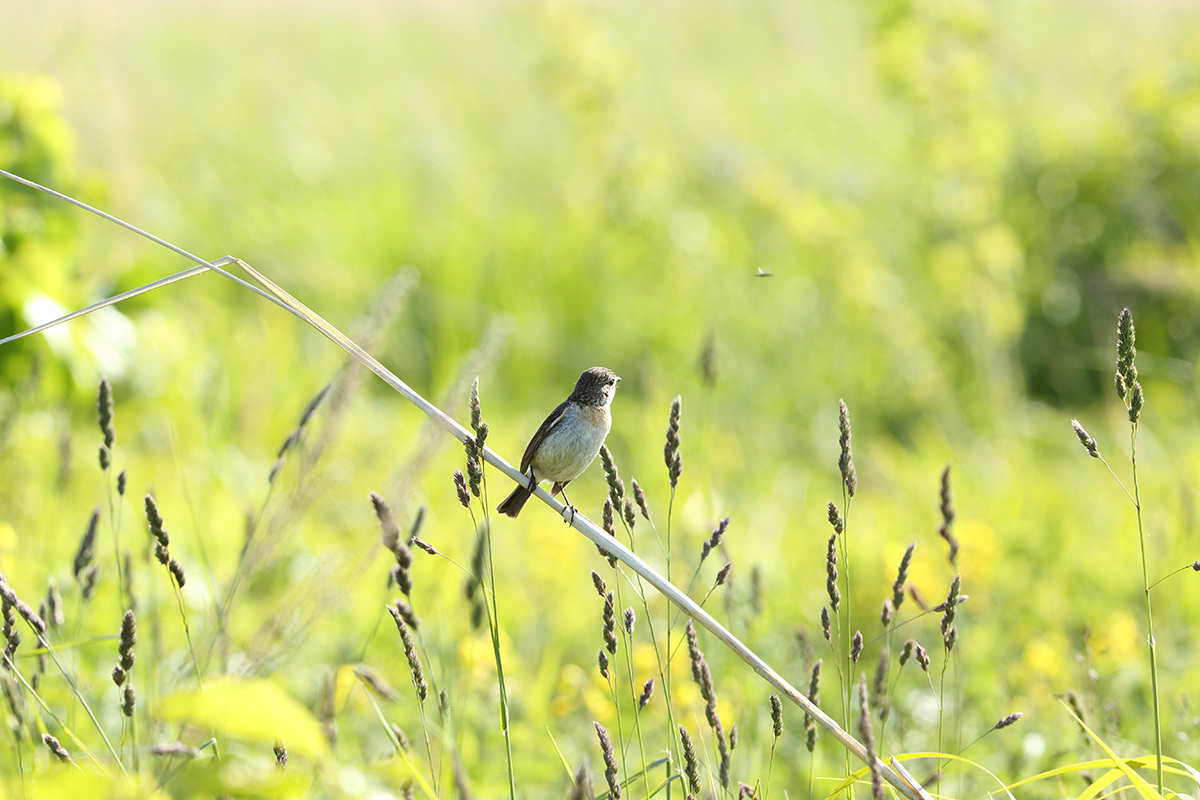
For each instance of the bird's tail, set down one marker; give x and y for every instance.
(513, 504)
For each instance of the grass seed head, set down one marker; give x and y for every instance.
(902, 577)
(127, 640)
(831, 572)
(582, 786)
(1126, 352)
(387, 524)
(14, 698)
(407, 614)
(87, 546)
(610, 624)
(714, 540)
(460, 486)
(610, 762)
(616, 487)
(104, 412)
(1011, 719)
(814, 696)
(476, 408)
(923, 658)
(846, 459)
(1087, 441)
(868, 738)
(1136, 401)
(639, 497)
(59, 751)
(671, 454)
(410, 652)
(776, 716)
(949, 632)
(474, 469)
(946, 531)
(54, 604)
(647, 693)
(176, 570)
(691, 764)
(128, 700)
(835, 518)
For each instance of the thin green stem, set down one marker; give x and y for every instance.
(494, 627)
(133, 727)
(812, 770)
(112, 519)
(612, 690)
(1169, 575)
(663, 674)
(187, 631)
(1121, 483)
(637, 724)
(672, 730)
(67, 730)
(770, 767)
(848, 677)
(20, 763)
(1158, 751)
(428, 747)
(387, 729)
(888, 634)
(942, 707)
(199, 536)
(425, 651)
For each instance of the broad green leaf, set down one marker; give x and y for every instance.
(256, 710)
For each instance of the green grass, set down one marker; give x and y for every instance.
(579, 185)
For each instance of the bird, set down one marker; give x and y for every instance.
(569, 440)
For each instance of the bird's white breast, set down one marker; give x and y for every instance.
(572, 445)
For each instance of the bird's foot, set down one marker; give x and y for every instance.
(568, 514)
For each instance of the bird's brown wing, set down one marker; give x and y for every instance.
(555, 417)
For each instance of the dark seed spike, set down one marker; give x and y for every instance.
(59, 751)
(671, 454)
(104, 409)
(691, 763)
(902, 577)
(86, 552)
(846, 459)
(639, 497)
(611, 774)
(1011, 719)
(460, 486)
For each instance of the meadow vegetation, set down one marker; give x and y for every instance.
(772, 220)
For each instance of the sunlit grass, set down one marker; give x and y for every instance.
(578, 185)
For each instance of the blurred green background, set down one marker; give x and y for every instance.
(933, 210)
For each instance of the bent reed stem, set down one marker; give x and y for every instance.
(578, 521)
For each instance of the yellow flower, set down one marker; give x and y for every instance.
(1044, 664)
(1118, 638)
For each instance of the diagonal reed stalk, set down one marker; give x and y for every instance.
(578, 521)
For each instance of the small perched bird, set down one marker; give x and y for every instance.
(569, 439)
